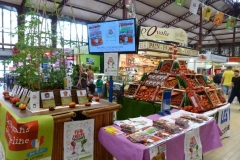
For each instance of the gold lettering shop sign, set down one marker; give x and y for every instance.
(164, 34)
(159, 47)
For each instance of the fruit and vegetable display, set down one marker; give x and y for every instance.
(196, 95)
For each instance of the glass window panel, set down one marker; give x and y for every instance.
(79, 32)
(85, 35)
(6, 15)
(1, 17)
(48, 25)
(13, 21)
(0, 37)
(14, 39)
(7, 37)
(67, 30)
(1, 65)
(73, 32)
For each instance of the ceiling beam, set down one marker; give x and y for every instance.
(110, 11)
(222, 34)
(61, 5)
(230, 4)
(216, 40)
(155, 11)
(219, 39)
(186, 15)
(10, 4)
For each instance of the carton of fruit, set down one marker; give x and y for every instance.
(171, 82)
(155, 79)
(182, 122)
(201, 80)
(146, 93)
(177, 98)
(132, 90)
(158, 97)
(214, 98)
(221, 96)
(166, 66)
(205, 100)
(172, 128)
(192, 96)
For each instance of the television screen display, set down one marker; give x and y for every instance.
(112, 36)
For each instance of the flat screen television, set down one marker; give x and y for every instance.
(113, 36)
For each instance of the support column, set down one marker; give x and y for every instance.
(219, 49)
(233, 44)
(124, 9)
(54, 31)
(21, 10)
(200, 31)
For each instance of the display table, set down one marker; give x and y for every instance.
(101, 112)
(123, 149)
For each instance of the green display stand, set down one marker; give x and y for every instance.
(132, 108)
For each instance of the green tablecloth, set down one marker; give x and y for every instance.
(132, 108)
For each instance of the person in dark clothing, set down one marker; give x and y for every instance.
(91, 87)
(217, 78)
(235, 87)
(83, 80)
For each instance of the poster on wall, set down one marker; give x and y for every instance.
(192, 145)
(111, 64)
(25, 138)
(90, 61)
(224, 121)
(78, 140)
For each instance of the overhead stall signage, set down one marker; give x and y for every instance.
(164, 34)
(159, 47)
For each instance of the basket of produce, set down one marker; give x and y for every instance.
(214, 98)
(205, 101)
(170, 82)
(195, 101)
(132, 90)
(221, 96)
(155, 79)
(146, 93)
(201, 80)
(189, 81)
(166, 66)
(177, 98)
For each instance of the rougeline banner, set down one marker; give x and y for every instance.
(28, 138)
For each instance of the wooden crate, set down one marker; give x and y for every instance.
(134, 87)
(181, 94)
(166, 64)
(220, 96)
(155, 79)
(213, 94)
(142, 96)
(201, 95)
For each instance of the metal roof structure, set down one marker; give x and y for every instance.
(161, 13)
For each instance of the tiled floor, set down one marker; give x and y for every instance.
(231, 146)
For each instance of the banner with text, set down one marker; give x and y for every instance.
(78, 140)
(194, 6)
(164, 34)
(224, 121)
(28, 138)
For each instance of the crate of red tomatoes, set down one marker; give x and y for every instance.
(177, 98)
(171, 81)
(155, 79)
(166, 66)
(132, 90)
(214, 98)
(158, 96)
(146, 93)
(195, 104)
(221, 96)
(205, 100)
(190, 81)
(200, 79)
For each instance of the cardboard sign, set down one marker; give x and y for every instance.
(47, 99)
(82, 96)
(66, 97)
(34, 103)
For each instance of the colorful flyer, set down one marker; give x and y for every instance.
(126, 33)
(194, 6)
(180, 2)
(34, 104)
(47, 99)
(111, 64)
(207, 11)
(218, 19)
(158, 152)
(66, 97)
(78, 140)
(231, 22)
(96, 35)
(82, 96)
(192, 145)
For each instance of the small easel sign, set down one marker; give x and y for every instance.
(82, 96)
(47, 99)
(66, 97)
(34, 103)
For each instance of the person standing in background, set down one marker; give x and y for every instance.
(99, 85)
(205, 75)
(218, 78)
(84, 79)
(235, 87)
(227, 80)
(91, 87)
(90, 73)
